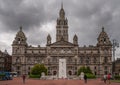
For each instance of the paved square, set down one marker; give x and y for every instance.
(18, 81)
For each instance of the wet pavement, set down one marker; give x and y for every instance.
(18, 81)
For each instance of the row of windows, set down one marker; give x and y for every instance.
(62, 31)
(81, 60)
(61, 22)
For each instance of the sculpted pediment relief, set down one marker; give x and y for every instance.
(62, 43)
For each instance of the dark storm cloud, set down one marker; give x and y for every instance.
(92, 15)
(14, 13)
(85, 18)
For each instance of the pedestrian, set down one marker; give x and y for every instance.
(105, 78)
(23, 77)
(108, 78)
(85, 78)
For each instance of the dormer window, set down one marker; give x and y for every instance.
(18, 39)
(104, 40)
(22, 40)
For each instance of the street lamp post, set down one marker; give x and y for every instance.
(114, 45)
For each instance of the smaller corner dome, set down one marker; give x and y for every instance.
(103, 33)
(20, 33)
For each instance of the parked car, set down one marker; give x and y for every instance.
(14, 74)
(5, 76)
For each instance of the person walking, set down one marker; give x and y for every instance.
(23, 77)
(105, 78)
(85, 78)
(108, 78)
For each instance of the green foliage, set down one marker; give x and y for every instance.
(117, 77)
(38, 69)
(34, 76)
(90, 76)
(82, 69)
(85, 70)
(2, 75)
(116, 81)
(88, 70)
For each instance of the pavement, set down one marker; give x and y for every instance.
(18, 81)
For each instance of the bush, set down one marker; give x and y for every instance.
(34, 76)
(117, 77)
(38, 69)
(88, 70)
(85, 70)
(90, 76)
(2, 75)
(81, 69)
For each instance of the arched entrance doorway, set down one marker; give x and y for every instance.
(54, 72)
(70, 72)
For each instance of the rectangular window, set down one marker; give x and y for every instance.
(95, 67)
(18, 68)
(105, 67)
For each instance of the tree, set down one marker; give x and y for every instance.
(38, 69)
(85, 70)
(88, 70)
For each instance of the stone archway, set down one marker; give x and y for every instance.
(70, 73)
(54, 72)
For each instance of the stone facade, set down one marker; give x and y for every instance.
(117, 66)
(97, 57)
(5, 61)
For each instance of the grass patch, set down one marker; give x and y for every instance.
(117, 81)
(34, 76)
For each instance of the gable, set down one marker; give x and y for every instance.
(62, 43)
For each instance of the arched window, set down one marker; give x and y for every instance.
(69, 60)
(28, 68)
(94, 60)
(48, 60)
(54, 59)
(87, 60)
(29, 60)
(81, 60)
(105, 59)
(17, 59)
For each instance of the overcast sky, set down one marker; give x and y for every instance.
(38, 19)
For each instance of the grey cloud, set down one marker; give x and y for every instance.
(85, 18)
(15, 14)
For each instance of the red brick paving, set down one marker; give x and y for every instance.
(18, 81)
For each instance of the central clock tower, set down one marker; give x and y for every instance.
(62, 26)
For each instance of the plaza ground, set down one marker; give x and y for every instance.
(18, 81)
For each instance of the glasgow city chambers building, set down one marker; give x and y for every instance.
(98, 57)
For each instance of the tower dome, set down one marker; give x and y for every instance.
(20, 37)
